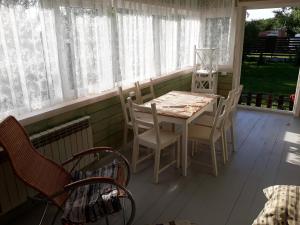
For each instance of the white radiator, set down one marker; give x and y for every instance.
(58, 144)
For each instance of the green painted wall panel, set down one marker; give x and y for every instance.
(101, 125)
(106, 113)
(107, 118)
(95, 107)
(111, 141)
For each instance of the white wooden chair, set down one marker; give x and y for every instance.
(154, 138)
(209, 135)
(205, 72)
(207, 119)
(127, 120)
(140, 96)
(229, 124)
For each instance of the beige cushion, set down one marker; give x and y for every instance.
(282, 207)
(202, 133)
(206, 119)
(166, 137)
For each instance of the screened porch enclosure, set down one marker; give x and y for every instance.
(235, 195)
(62, 66)
(53, 52)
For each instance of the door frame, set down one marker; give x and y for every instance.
(240, 15)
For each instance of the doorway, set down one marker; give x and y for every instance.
(271, 58)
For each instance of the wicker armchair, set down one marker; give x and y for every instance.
(53, 181)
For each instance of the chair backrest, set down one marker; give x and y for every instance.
(223, 111)
(140, 96)
(29, 165)
(216, 121)
(124, 103)
(237, 96)
(137, 122)
(205, 59)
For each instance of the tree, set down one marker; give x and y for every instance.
(254, 27)
(251, 34)
(289, 17)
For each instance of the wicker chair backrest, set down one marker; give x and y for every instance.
(29, 165)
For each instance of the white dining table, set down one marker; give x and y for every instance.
(181, 108)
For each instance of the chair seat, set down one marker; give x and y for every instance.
(166, 138)
(202, 133)
(206, 119)
(83, 204)
(205, 72)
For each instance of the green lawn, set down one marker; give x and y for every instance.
(276, 78)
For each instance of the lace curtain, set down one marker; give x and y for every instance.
(53, 51)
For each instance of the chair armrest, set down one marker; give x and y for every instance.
(100, 150)
(87, 152)
(90, 180)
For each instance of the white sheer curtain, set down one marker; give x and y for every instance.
(172, 29)
(135, 41)
(52, 51)
(29, 68)
(84, 31)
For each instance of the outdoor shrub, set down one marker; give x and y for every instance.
(297, 61)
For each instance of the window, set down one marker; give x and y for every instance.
(54, 51)
(29, 71)
(217, 36)
(85, 41)
(135, 46)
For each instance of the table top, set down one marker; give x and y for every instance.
(181, 104)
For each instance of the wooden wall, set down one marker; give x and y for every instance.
(106, 116)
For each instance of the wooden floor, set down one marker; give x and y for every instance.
(268, 153)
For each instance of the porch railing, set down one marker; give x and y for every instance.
(265, 100)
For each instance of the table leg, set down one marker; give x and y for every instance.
(184, 149)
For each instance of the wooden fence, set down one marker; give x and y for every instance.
(274, 47)
(282, 102)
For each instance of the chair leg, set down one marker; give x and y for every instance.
(178, 153)
(44, 213)
(224, 146)
(125, 136)
(156, 165)
(135, 154)
(214, 158)
(232, 137)
(173, 153)
(173, 128)
(193, 147)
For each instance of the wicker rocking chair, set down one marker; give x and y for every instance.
(53, 181)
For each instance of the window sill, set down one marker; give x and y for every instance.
(84, 101)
